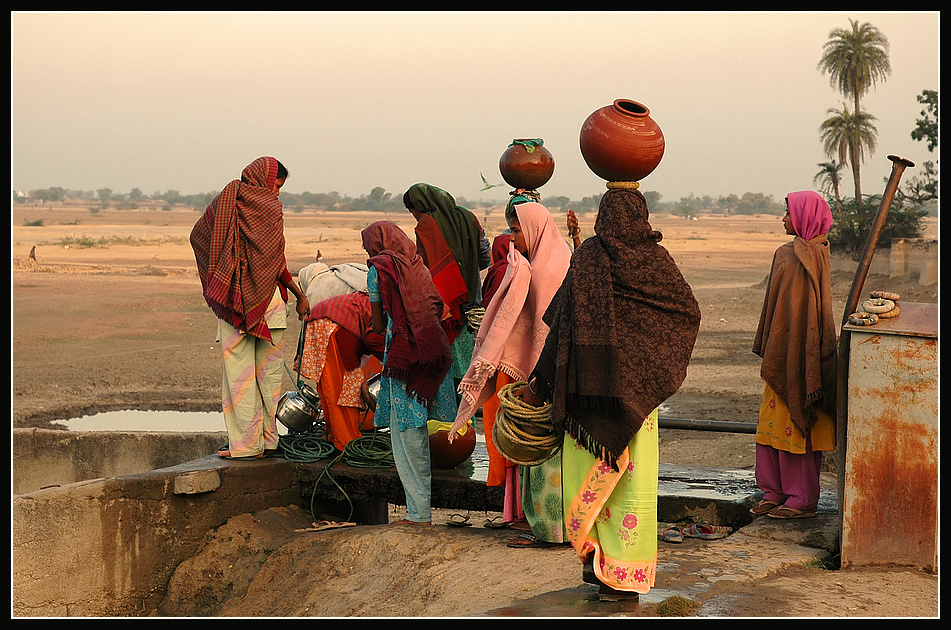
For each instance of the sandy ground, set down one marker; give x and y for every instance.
(110, 316)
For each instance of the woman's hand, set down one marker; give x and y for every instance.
(454, 431)
(302, 307)
(528, 395)
(574, 231)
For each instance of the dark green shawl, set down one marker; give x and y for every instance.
(459, 227)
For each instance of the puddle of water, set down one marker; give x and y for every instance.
(139, 420)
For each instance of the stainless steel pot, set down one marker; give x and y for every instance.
(299, 410)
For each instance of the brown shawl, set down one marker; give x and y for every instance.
(419, 353)
(796, 336)
(618, 349)
(239, 248)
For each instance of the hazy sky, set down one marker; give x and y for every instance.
(352, 101)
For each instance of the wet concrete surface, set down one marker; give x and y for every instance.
(704, 570)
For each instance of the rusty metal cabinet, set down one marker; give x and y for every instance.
(890, 498)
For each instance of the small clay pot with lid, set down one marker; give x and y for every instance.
(621, 142)
(527, 164)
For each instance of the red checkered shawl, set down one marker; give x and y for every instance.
(239, 248)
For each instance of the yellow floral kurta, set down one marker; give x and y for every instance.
(775, 428)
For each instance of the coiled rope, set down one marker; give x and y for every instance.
(524, 430)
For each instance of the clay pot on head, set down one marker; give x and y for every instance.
(621, 142)
(526, 164)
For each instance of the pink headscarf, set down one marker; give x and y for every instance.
(512, 333)
(810, 214)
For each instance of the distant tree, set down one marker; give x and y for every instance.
(922, 188)
(728, 204)
(926, 127)
(828, 180)
(847, 136)
(757, 203)
(105, 196)
(556, 203)
(851, 227)
(136, 195)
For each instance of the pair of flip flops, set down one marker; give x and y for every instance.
(675, 534)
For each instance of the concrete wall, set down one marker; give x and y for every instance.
(46, 457)
(107, 547)
(914, 255)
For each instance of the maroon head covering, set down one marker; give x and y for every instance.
(239, 248)
(495, 273)
(419, 353)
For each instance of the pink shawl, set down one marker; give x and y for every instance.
(512, 333)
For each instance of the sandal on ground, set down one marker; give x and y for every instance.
(704, 532)
(673, 534)
(406, 521)
(325, 525)
(764, 506)
(784, 511)
(530, 540)
(493, 523)
(458, 520)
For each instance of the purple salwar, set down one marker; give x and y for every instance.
(789, 479)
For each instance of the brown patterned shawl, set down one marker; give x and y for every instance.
(419, 353)
(618, 349)
(796, 336)
(239, 248)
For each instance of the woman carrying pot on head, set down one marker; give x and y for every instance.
(416, 384)
(507, 345)
(796, 338)
(339, 335)
(453, 246)
(239, 250)
(623, 326)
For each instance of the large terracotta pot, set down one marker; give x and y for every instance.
(445, 456)
(526, 164)
(621, 142)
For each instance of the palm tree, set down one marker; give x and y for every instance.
(847, 136)
(855, 59)
(828, 180)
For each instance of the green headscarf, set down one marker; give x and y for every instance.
(458, 226)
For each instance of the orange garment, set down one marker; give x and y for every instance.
(342, 423)
(324, 360)
(497, 462)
